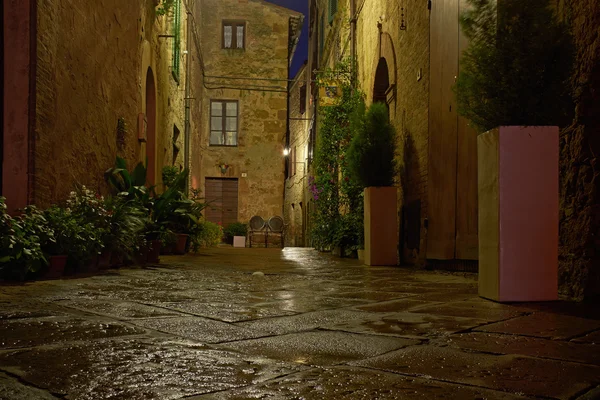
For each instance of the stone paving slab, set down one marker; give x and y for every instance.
(304, 322)
(396, 305)
(230, 312)
(592, 338)
(527, 346)
(472, 310)
(197, 328)
(544, 325)
(118, 309)
(140, 369)
(320, 347)
(347, 383)
(409, 324)
(48, 330)
(12, 389)
(514, 374)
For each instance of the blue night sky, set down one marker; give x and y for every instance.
(302, 50)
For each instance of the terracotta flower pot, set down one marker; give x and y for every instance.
(180, 245)
(56, 268)
(104, 259)
(153, 251)
(116, 260)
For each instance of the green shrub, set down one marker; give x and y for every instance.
(205, 234)
(20, 249)
(371, 153)
(517, 67)
(169, 174)
(235, 229)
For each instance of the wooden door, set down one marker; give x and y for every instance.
(222, 199)
(441, 231)
(452, 186)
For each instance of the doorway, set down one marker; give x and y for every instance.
(222, 200)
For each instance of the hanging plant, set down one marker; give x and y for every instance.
(165, 7)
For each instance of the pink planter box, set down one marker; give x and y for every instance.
(518, 213)
(381, 226)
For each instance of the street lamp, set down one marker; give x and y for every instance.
(286, 152)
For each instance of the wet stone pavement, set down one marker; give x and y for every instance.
(293, 324)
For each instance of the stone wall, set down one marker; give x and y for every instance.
(296, 196)
(579, 254)
(378, 34)
(92, 61)
(257, 161)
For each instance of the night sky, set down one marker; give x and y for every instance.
(302, 50)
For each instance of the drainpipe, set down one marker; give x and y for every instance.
(353, 42)
(187, 128)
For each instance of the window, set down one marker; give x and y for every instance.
(234, 35)
(223, 123)
(332, 10)
(302, 99)
(176, 40)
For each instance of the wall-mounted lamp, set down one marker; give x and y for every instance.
(286, 152)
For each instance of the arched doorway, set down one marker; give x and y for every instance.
(382, 82)
(151, 127)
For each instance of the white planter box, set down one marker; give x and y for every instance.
(239, 241)
(381, 226)
(518, 213)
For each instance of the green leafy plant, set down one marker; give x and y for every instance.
(517, 68)
(121, 180)
(205, 234)
(371, 154)
(165, 7)
(20, 249)
(334, 192)
(235, 229)
(127, 220)
(169, 173)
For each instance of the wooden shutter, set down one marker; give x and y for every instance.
(222, 199)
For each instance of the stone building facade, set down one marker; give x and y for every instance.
(436, 150)
(90, 76)
(247, 47)
(408, 55)
(297, 198)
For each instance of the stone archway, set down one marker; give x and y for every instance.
(382, 82)
(385, 71)
(151, 127)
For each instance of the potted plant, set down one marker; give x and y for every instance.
(372, 165)
(126, 221)
(20, 250)
(514, 88)
(235, 234)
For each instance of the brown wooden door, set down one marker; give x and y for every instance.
(452, 186)
(222, 199)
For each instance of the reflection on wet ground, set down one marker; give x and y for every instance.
(288, 324)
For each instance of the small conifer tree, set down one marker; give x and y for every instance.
(371, 153)
(517, 68)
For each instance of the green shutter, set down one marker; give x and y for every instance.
(321, 37)
(332, 10)
(177, 40)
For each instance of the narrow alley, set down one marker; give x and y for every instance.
(239, 323)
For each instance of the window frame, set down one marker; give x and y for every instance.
(176, 51)
(234, 24)
(224, 122)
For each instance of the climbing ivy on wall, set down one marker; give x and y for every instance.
(338, 217)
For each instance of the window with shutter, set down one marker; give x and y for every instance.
(177, 40)
(332, 9)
